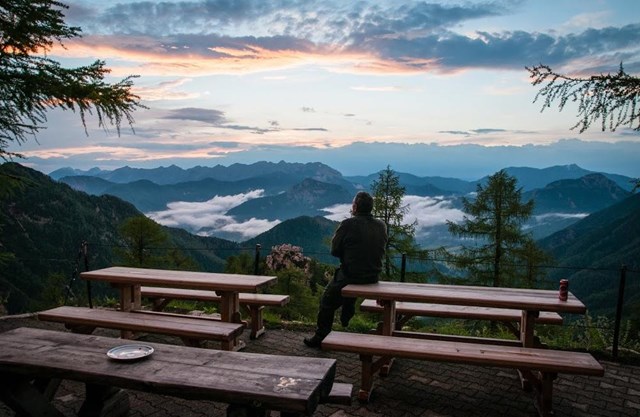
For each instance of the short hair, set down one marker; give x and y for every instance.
(364, 202)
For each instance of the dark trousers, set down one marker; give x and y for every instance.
(331, 300)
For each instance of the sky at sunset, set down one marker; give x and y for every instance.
(305, 80)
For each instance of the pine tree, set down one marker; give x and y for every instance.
(494, 220)
(612, 98)
(387, 206)
(31, 83)
(143, 238)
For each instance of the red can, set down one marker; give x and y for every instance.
(563, 293)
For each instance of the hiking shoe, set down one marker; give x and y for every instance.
(313, 342)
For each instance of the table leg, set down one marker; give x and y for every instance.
(388, 326)
(126, 292)
(367, 374)
(388, 317)
(229, 306)
(126, 304)
(24, 398)
(136, 297)
(527, 326)
(230, 312)
(104, 401)
(527, 339)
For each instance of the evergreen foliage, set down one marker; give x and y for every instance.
(44, 225)
(614, 99)
(242, 263)
(387, 206)
(31, 83)
(142, 237)
(494, 221)
(146, 245)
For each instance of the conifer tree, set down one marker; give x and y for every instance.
(614, 99)
(387, 206)
(494, 221)
(31, 83)
(143, 238)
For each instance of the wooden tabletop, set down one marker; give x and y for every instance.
(182, 279)
(286, 383)
(516, 298)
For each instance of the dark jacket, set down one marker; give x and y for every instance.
(360, 243)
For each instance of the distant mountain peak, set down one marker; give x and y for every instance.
(587, 194)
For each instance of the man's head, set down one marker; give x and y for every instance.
(362, 203)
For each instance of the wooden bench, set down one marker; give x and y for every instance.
(541, 365)
(192, 330)
(254, 303)
(252, 384)
(406, 310)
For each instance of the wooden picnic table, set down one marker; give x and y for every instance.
(530, 301)
(228, 286)
(249, 382)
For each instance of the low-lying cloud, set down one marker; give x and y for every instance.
(209, 218)
(428, 212)
(547, 216)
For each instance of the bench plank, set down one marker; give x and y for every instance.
(461, 312)
(542, 364)
(187, 328)
(275, 300)
(472, 353)
(253, 302)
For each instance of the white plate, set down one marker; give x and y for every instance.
(130, 352)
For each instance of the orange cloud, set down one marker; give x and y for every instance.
(149, 58)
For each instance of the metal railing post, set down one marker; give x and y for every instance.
(85, 247)
(256, 262)
(616, 329)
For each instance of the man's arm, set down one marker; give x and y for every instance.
(336, 241)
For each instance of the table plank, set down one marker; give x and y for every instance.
(515, 298)
(181, 279)
(293, 384)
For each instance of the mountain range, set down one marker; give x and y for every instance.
(45, 221)
(562, 194)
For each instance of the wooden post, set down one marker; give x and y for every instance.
(104, 401)
(256, 262)
(126, 302)
(24, 398)
(616, 329)
(86, 268)
(366, 384)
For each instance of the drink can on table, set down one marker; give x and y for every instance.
(563, 293)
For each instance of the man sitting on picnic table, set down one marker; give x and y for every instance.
(360, 243)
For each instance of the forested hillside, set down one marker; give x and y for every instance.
(43, 226)
(592, 251)
(44, 223)
(312, 234)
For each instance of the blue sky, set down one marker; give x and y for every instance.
(243, 81)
